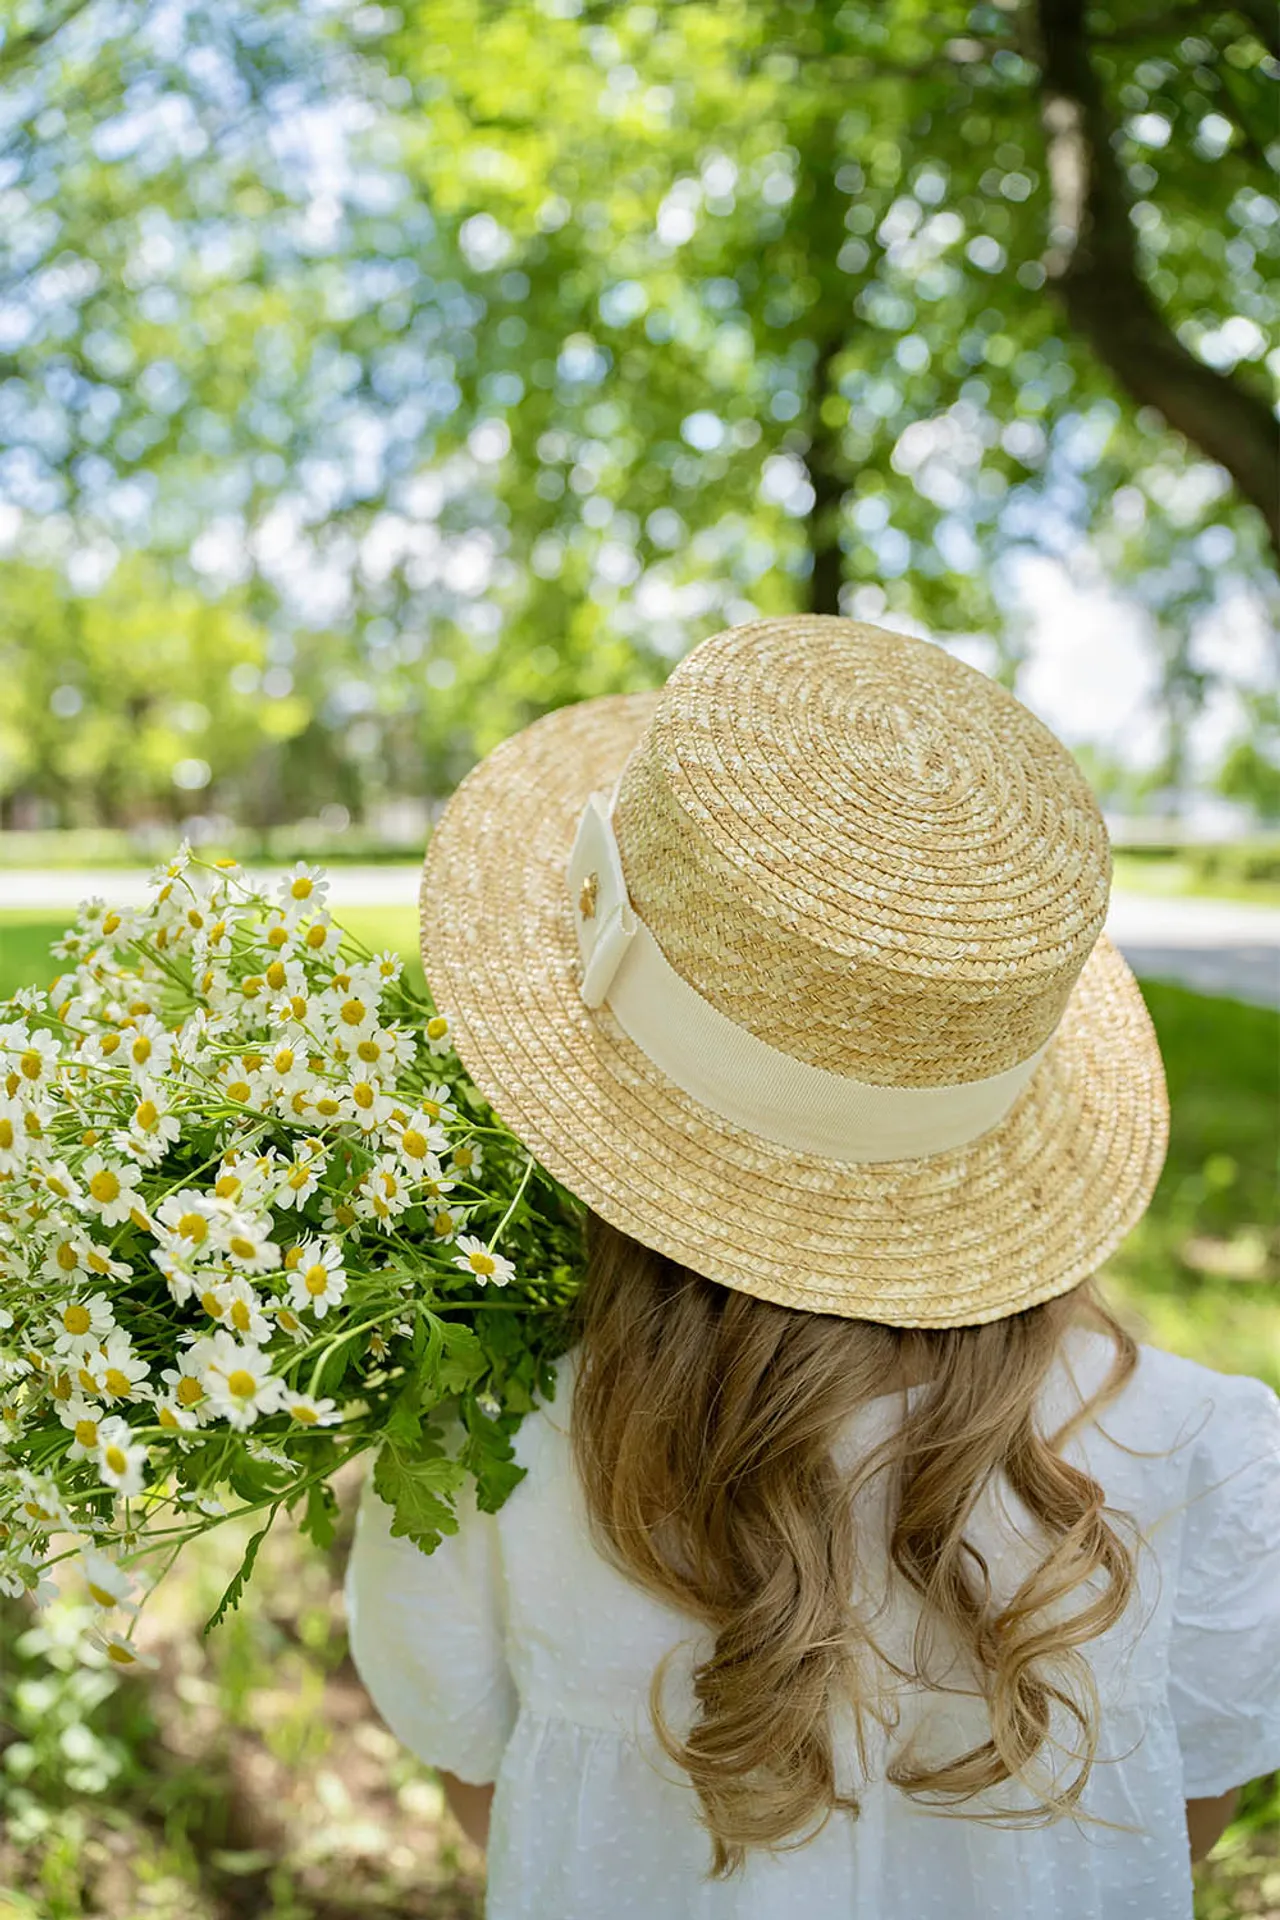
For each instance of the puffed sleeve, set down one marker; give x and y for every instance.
(427, 1637)
(1224, 1681)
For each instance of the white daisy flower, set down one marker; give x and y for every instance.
(247, 1243)
(388, 966)
(287, 1321)
(321, 940)
(159, 877)
(383, 1052)
(114, 1367)
(366, 1104)
(120, 1458)
(110, 1189)
(284, 1067)
(247, 1180)
(309, 1412)
(56, 1177)
(418, 1141)
(467, 1159)
(301, 1178)
(147, 1048)
(84, 1418)
(41, 1503)
(120, 1650)
(437, 1103)
(81, 1325)
(36, 1061)
(242, 1310)
(16, 1143)
(385, 1191)
(172, 1414)
(350, 1014)
(178, 1272)
(303, 891)
(438, 1035)
(101, 1265)
(184, 1392)
(152, 1128)
(189, 1217)
(322, 1101)
(319, 1280)
(448, 1222)
(239, 1381)
(109, 1584)
(339, 1216)
(475, 1258)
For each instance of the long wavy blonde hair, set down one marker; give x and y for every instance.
(702, 1426)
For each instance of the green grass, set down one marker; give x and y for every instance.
(250, 1777)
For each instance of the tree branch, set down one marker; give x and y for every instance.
(1092, 264)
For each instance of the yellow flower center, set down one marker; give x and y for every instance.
(328, 1106)
(104, 1186)
(87, 1433)
(86, 1380)
(195, 918)
(227, 1186)
(443, 1225)
(77, 1319)
(242, 1384)
(193, 1227)
(212, 1305)
(189, 1392)
(251, 986)
(278, 937)
(57, 1186)
(462, 1157)
(141, 1049)
(284, 1060)
(353, 1012)
(316, 937)
(289, 1321)
(168, 1418)
(243, 1249)
(299, 1177)
(316, 1279)
(437, 1028)
(276, 975)
(97, 1262)
(103, 1597)
(118, 1384)
(116, 1458)
(240, 1316)
(146, 1116)
(110, 1044)
(31, 1064)
(302, 888)
(432, 1109)
(363, 1095)
(6, 1133)
(298, 1006)
(413, 1144)
(111, 923)
(123, 1656)
(307, 1415)
(239, 1091)
(344, 1214)
(481, 1263)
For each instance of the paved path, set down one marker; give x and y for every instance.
(1214, 946)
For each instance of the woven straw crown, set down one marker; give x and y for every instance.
(864, 852)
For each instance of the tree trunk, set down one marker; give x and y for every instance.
(1092, 264)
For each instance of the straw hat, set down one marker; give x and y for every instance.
(795, 971)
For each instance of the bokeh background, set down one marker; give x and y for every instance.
(374, 378)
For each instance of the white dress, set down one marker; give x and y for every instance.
(515, 1653)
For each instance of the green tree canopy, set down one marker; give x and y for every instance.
(469, 359)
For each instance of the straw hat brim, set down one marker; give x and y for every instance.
(973, 1234)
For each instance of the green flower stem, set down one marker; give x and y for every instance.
(516, 1198)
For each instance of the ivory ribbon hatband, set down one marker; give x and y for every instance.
(732, 1072)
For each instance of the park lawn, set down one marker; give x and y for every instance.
(249, 1776)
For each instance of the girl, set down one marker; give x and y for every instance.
(864, 1564)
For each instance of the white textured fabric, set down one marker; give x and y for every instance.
(735, 1073)
(516, 1653)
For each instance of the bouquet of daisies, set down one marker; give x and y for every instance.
(254, 1220)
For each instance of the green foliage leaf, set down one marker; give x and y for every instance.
(421, 1485)
(231, 1598)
